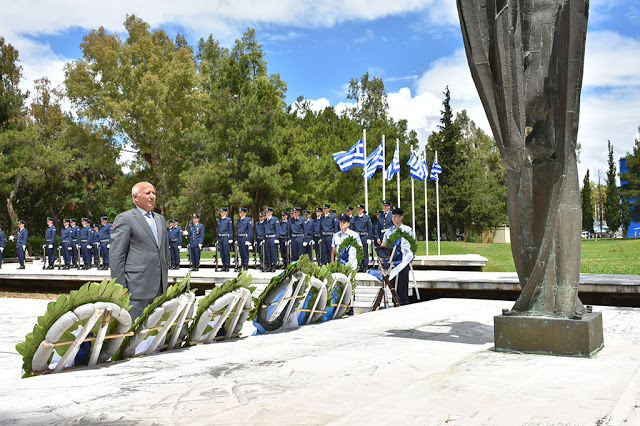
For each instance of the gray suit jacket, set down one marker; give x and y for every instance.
(136, 261)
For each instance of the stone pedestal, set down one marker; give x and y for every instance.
(549, 336)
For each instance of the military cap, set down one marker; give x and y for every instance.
(360, 206)
(104, 217)
(65, 220)
(224, 209)
(86, 219)
(196, 216)
(318, 208)
(326, 206)
(22, 221)
(296, 209)
(175, 219)
(268, 209)
(242, 209)
(284, 213)
(73, 219)
(344, 218)
(333, 210)
(95, 225)
(50, 218)
(262, 213)
(349, 208)
(397, 210)
(378, 211)
(307, 212)
(386, 202)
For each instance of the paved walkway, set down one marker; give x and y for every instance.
(428, 363)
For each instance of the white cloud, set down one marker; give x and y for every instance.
(422, 112)
(611, 60)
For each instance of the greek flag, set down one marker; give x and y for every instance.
(394, 167)
(375, 160)
(353, 157)
(415, 167)
(435, 171)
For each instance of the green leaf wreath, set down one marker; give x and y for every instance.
(399, 233)
(351, 241)
(91, 292)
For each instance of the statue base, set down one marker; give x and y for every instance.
(549, 336)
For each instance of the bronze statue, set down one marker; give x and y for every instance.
(527, 59)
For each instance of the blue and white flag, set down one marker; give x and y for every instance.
(353, 157)
(435, 171)
(375, 161)
(415, 167)
(394, 167)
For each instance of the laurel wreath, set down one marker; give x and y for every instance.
(399, 233)
(351, 241)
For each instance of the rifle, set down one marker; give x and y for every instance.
(59, 258)
(236, 257)
(216, 264)
(44, 256)
(262, 255)
(288, 250)
(277, 259)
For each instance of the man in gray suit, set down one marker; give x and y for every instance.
(139, 254)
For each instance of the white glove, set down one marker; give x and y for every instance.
(88, 246)
(199, 245)
(108, 245)
(249, 246)
(185, 233)
(24, 247)
(304, 244)
(11, 237)
(1, 249)
(276, 241)
(230, 241)
(247, 243)
(368, 241)
(68, 248)
(77, 246)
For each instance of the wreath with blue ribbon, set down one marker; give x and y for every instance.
(351, 241)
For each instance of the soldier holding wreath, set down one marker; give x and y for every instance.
(346, 244)
(401, 236)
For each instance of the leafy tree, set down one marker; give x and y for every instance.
(587, 204)
(142, 91)
(612, 209)
(371, 100)
(630, 181)
(626, 217)
(11, 98)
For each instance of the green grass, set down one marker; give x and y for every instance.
(598, 256)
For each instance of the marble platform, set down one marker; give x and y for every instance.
(428, 363)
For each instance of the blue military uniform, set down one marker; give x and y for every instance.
(96, 245)
(296, 234)
(329, 225)
(105, 241)
(2, 241)
(65, 242)
(348, 210)
(75, 230)
(384, 221)
(307, 229)
(244, 237)
(196, 239)
(21, 243)
(225, 237)
(174, 234)
(361, 224)
(49, 242)
(283, 237)
(317, 236)
(271, 231)
(84, 240)
(260, 239)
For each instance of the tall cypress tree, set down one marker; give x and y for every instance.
(612, 208)
(587, 205)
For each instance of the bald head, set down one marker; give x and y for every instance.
(144, 196)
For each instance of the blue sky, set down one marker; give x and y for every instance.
(317, 47)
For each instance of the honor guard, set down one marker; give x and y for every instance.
(271, 231)
(384, 220)
(49, 241)
(296, 234)
(349, 212)
(307, 229)
(65, 243)
(2, 241)
(225, 237)
(244, 236)
(75, 230)
(96, 245)
(174, 233)
(260, 238)
(105, 241)
(196, 239)
(84, 240)
(283, 237)
(361, 225)
(21, 242)
(402, 256)
(349, 254)
(317, 236)
(329, 225)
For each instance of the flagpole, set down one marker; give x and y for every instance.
(383, 166)
(398, 148)
(366, 189)
(438, 207)
(426, 212)
(413, 202)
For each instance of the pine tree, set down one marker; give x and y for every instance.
(612, 208)
(626, 218)
(587, 205)
(630, 181)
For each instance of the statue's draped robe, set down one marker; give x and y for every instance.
(526, 59)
